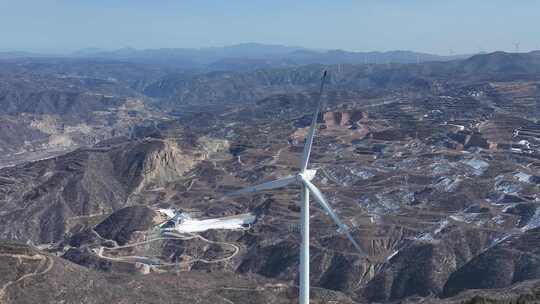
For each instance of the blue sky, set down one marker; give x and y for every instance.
(360, 25)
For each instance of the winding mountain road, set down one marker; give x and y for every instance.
(43, 261)
(168, 236)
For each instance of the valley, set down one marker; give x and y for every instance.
(435, 166)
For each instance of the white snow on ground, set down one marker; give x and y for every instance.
(392, 255)
(170, 213)
(188, 224)
(478, 165)
(464, 217)
(231, 223)
(431, 236)
(442, 225)
(508, 187)
(426, 237)
(508, 207)
(533, 223)
(498, 219)
(523, 177)
(497, 241)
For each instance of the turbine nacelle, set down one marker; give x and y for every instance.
(307, 175)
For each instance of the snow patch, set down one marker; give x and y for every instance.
(497, 241)
(442, 225)
(347, 176)
(507, 187)
(505, 209)
(465, 218)
(392, 255)
(499, 219)
(478, 165)
(186, 224)
(523, 177)
(194, 225)
(426, 237)
(170, 213)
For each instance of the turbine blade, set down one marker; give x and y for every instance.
(312, 128)
(279, 183)
(319, 197)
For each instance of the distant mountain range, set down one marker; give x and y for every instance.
(247, 56)
(21, 54)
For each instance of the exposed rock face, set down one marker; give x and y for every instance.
(342, 118)
(158, 165)
(37, 136)
(51, 194)
(209, 146)
(48, 109)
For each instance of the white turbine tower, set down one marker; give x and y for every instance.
(303, 178)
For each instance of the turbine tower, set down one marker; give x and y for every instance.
(303, 179)
(516, 45)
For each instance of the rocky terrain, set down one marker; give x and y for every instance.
(52, 107)
(436, 166)
(30, 276)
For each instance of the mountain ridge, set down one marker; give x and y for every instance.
(219, 58)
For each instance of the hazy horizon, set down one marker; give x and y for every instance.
(97, 49)
(459, 27)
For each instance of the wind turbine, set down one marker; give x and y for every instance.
(516, 45)
(303, 178)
